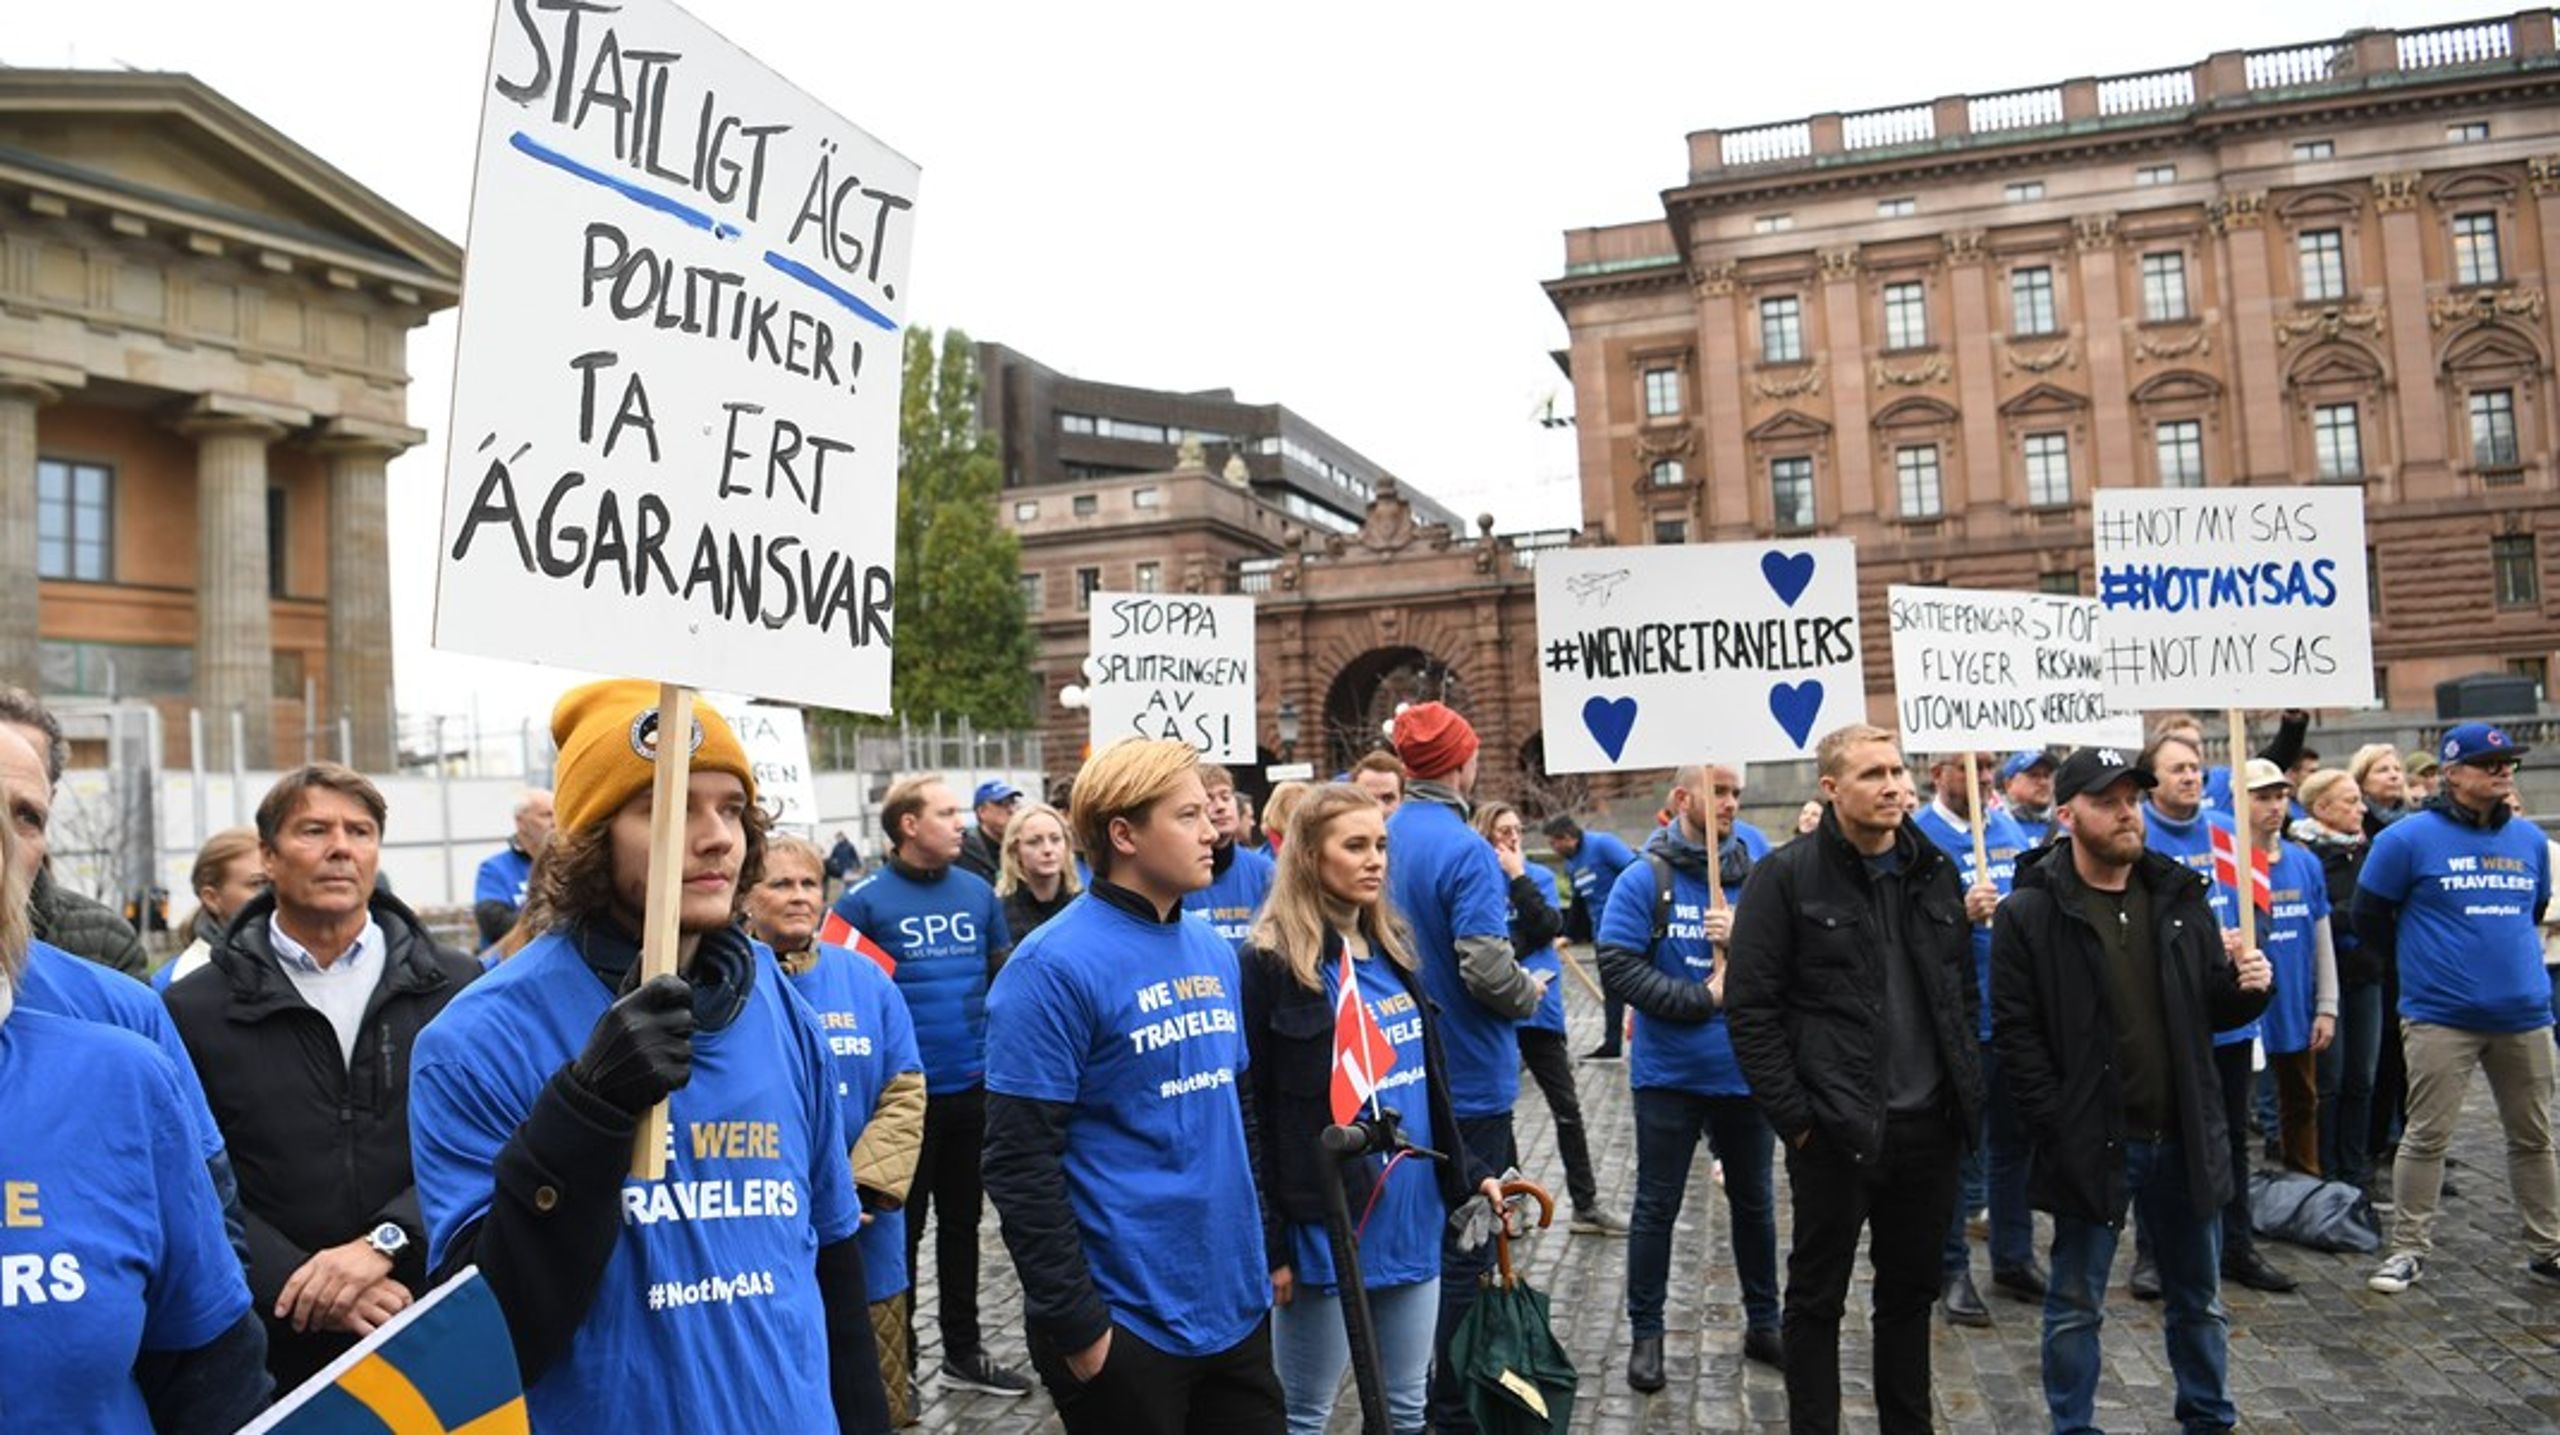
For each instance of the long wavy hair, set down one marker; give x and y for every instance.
(572, 880)
(1292, 923)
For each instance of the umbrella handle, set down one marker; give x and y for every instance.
(1502, 1228)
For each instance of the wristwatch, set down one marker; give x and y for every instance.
(388, 1240)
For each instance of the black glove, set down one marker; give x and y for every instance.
(641, 1048)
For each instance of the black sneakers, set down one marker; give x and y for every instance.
(976, 1371)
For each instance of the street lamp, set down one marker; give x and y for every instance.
(1288, 730)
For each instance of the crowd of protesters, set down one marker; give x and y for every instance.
(1955, 996)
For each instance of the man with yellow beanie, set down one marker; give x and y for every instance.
(730, 1294)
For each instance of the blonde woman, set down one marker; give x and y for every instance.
(228, 875)
(1328, 902)
(2384, 783)
(1036, 874)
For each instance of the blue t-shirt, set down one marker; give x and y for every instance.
(2291, 942)
(2002, 843)
(1446, 882)
(715, 1274)
(1550, 1013)
(2191, 843)
(1400, 1243)
(1695, 1057)
(942, 931)
(1231, 899)
(1755, 843)
(111, 1240)
(503, 877)
(872, 1040)
(1135, 1026)
(2470, 953)
(1594, 867)
(65, 985)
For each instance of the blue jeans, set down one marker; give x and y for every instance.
(1311, 1350)
(1668, 1125)
(2346, 1085)
(2187, 1244)
(1488, 1140)
(1994, 1173)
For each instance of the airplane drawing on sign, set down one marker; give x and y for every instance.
(1595, 588)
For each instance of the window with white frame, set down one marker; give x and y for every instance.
(2466, 132)
(1773, 223)
(1661, 393)
(2023, 191)
(1791, 493)
(1667, 473)
(2179, 444)
(2337, 442)
(2164, 286)
(1781, 329)
(1906, 315)
(1897, 208)
(2031, 300)
(2493, 429)
(2323, 255)
(2148, 175)
(2314, 149)
(2048, 469)
(1916, 475)
(2475, 249)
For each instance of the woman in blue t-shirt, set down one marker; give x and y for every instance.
(122, 1307)
(1326, 919)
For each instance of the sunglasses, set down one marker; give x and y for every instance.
(2496, 765)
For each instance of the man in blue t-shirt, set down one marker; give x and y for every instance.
(1592, 861)
(2454, 894)
(1239, 876)
(1994, 1170)
(2180, 822)
(1662, 958)
(728, 1289)
(498, 893)
(1449, 886)
(879, 1083)
(944, 930)
(1117, 1151)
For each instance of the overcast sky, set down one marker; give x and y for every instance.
(1343, 208)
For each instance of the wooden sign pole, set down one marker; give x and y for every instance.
(1973, 805)
(660, 935)
(2244, 889)
(1576, 968)
(1715, 844)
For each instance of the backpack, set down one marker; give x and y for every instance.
(1661, 897)
(2310, 1212)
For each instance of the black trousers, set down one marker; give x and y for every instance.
(955, 1129)
(1551, 1066)
(1904, 1199)
(2239, 1084)
(1141, 1390)
(1488, 1140)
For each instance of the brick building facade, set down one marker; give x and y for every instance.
(1936, 327)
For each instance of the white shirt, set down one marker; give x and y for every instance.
(339, 990)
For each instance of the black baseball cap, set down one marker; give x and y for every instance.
(2095, 769)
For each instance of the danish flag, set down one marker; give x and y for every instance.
(2226, 869)
(1361, 1051)
(836, 930)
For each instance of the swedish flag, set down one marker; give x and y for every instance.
(444, 1367)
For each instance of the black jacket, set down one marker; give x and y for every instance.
(979, 855)
(1534, 924)
(84, 926)
(321, 1147)
(2341, 863)
(1804, 998)
(1024, 911)
(1289, 1032)
(2055, 1032)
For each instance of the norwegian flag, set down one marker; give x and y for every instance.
(839, 932)
(1361, 1051)
(2226, 869)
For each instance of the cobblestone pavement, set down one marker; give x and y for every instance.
(2475, 1347)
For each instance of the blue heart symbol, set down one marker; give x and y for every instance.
(1794, 705)
(1788, 573)
(1610, 720)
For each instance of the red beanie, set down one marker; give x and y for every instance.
(1433, 740)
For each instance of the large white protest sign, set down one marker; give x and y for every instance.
(1177, 666)
(1990, 672)
(1738, 652)
(2233, 598)
(675, 411)
(777, 744)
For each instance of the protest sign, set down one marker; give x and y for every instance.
(777, 744)
(2233, 598)
(1172, 665)
(674, 441)
(1732, 652)
(1994, 672)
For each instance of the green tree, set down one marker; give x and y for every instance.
(963, 646)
